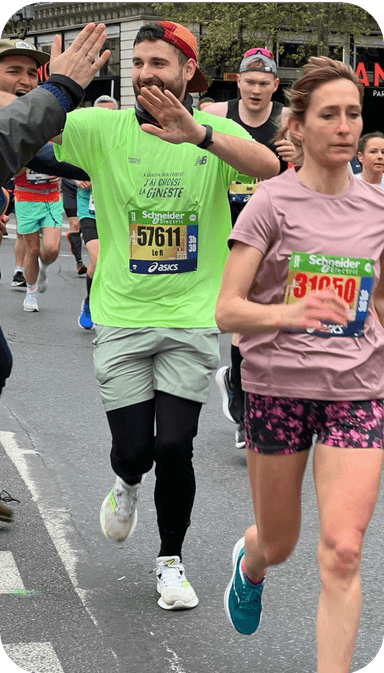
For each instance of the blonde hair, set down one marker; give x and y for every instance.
(318, 71)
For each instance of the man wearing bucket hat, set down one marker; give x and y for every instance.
(163, 220)
(258, 114)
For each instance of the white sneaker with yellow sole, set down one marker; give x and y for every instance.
(175, 591)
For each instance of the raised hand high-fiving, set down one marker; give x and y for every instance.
(79, 61)
(176, 124)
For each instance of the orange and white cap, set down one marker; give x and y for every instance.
(181, 38)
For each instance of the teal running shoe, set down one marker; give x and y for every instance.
(242, 600)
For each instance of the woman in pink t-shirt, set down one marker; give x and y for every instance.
(302, 286)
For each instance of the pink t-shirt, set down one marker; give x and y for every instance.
(282, 217)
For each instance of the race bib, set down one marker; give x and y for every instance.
(162, 242)
(91, 205)
(351, 277)
(36, 178)
(240, 192)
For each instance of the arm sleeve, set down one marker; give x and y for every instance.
(46, 162)
(25, 125)
(256, 225)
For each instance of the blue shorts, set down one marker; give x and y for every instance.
(33, 215)
(83, 200)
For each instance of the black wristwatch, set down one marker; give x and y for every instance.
(208, 137)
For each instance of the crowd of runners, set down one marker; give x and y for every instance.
(153, 192)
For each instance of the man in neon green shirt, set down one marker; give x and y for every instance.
(160, 175)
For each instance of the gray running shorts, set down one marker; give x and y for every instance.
(130, 364)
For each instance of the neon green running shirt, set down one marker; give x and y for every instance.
(163, 219)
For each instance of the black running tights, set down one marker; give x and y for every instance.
(136, 446)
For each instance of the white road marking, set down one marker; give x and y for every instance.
(174, 661)
(56, 521)
(34, 657)
(10, 578)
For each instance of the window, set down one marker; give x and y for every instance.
(369, 56)
(44, 43)
(112, 66)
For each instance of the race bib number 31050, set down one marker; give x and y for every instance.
(162, 242)
(350, 277)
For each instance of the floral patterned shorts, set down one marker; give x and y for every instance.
(279, 425)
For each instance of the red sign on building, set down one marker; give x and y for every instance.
(378, 75)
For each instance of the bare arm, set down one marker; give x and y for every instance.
(178, 126)
(235, 314)
(285, 148)
(378, 298)
(218, 109)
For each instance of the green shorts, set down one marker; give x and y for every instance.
(130, 364)
(32, 215)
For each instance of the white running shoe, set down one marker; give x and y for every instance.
(30, 302)
(42, 280)
(118, 514)
(175, 591)
(240, 436)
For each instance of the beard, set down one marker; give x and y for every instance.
(176, 87)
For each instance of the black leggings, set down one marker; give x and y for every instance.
(135, 448)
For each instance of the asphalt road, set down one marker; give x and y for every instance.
(71, 602)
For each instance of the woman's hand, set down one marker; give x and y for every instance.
(315, 311)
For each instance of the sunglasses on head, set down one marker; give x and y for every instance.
(258, 50)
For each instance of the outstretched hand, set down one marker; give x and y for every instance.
(79, 61)
(176, 123)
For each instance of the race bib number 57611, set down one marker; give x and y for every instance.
(350, 277)
(162, 242)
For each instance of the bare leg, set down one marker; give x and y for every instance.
(51, 244)
(31, 260)
(93, 252)
(19, 250)
(347, 483)
(74, 224)
(275, 483)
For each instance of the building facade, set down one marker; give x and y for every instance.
(123, 19)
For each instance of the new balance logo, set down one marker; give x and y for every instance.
(200, 161)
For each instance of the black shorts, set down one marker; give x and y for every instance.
(69, 200)
(88, 229)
